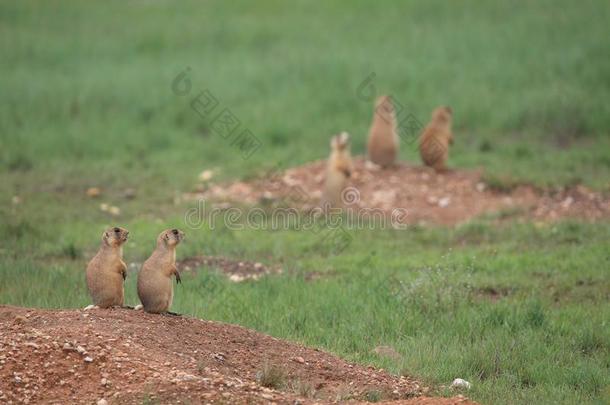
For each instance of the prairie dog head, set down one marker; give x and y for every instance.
(384, 107)
(115, 237)
(442, 115)
(340, 143)
(170, 237)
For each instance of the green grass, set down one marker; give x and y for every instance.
(520, 310)
(92, 84)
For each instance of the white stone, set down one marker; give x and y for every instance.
(206, 175)
(236, 278)
(460, 383)
(444, 202)
(371, 166)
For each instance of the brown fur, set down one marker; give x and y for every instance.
(154, 280)
(106, 272)
(338, 170)
(383, 141)
(435, 139)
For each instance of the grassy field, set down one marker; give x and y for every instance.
(522, 310)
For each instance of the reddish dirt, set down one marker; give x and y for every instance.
(448, 198)
(130, 357)
(236, 270)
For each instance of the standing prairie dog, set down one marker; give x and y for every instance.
(338, 170)
(106, 272)
(155, 278)
(383, 142)
(435, 139)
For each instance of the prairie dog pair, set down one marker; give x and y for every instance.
(106, 272)
(435, 139)
(339, 168)
(383, 144)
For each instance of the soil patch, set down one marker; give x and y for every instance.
(426, 197)
(127, 356)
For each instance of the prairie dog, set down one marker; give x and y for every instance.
(338, 170)
(436, 138)
(154, 280)
(383, 142)
(106, 272)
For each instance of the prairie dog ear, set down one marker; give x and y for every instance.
(343, 138)
(106, 238)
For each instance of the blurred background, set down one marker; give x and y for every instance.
(86, 88)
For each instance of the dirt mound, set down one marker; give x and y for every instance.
(425, 196)
(127, 356)
(236, 270)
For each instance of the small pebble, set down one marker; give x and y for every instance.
(460, 383)
(444, 202)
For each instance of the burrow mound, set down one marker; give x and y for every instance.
(425, 196)
(130, 357)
